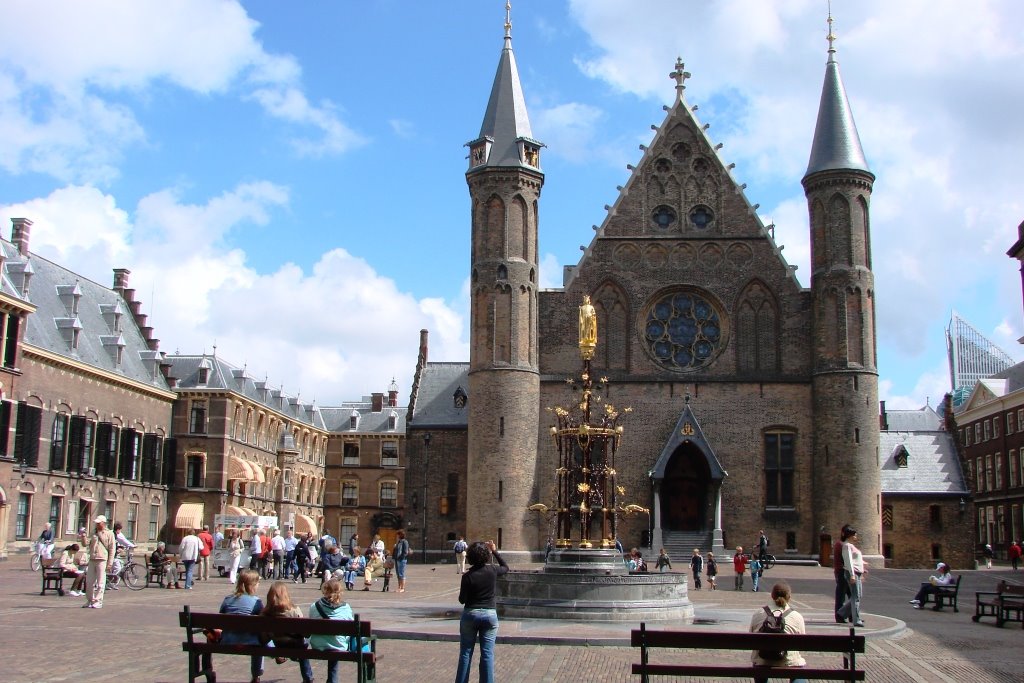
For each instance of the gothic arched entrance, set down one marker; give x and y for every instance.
(685, 490)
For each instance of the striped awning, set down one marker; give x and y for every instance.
(257, 471)
(189, 516)
(248, 511)
(239, 469)
(234, 510)
(304, 524)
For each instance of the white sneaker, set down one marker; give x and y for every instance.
(915, 602)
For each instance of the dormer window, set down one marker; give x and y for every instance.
(392, 421)
(459, 398)
(204, 375)
(353, 420)
(902, 457)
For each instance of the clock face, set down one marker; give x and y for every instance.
(683, 330)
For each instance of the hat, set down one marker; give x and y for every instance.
(939, 566)
(101, 518)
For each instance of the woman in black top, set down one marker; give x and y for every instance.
(479, 614)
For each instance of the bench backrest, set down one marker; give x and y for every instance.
(747, 641)
(241, 623)
(1010, 589)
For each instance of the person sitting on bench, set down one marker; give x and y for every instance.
(70, 570)
(792, 622)
(934, 585)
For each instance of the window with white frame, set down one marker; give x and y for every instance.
(1015, 521)
(1000, 524)
(967, 436)
(22, 517)
(350, 493)
(995, 428)
(1009, 423)
(350, 454)
(999, 471)
(347, 528)
(154, 519)
(389, 454)
(1011, 468)
(1020, 416)
(981, 474)
(389, 494)
(988, 430)
(56, 507)
(970, 474)
(197, 418)
(989, 475)
(982, 526)
(977, 432)
(131, 521)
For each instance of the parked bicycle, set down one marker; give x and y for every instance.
(42, 553)
(132, 574)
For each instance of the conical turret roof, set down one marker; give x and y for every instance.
(836, 143)
(506, 122)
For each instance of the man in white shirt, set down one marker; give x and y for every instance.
(277, 548)
(290, 542)
(256, 551)
(188, 552)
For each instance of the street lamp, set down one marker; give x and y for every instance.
(426, 466)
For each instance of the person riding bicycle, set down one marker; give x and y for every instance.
(46, 542)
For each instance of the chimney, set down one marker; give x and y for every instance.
(121, 280)
(21, 230)
(883, 419)
(423, 346)
(377, 401)
(393, 393)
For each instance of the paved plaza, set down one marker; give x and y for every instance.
(136, 636)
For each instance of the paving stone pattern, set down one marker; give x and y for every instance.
(135, 637)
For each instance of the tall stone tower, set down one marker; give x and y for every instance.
(505, 181)
(847, 481)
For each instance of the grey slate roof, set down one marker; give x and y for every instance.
(506, 120)
(923, 420)
(933, 466)
(836, 142)
(435, 401)
(338, 419)
(52, 289)
(1014, 376)
(223, 376)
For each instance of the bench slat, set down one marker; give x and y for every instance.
(748, 641)
(748, 672)
(242, 623)
(289, 652)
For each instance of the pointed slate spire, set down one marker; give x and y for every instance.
(505, 135)
(836, 143)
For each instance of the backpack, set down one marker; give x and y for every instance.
(774, 622)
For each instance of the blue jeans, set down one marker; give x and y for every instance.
(474, 623)
(851, 608)
(400, 568)
(189, 566)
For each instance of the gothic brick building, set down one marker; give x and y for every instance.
(755, 398)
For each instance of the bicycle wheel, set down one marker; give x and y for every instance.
(769, 561)
(134, 577)
(34, 562)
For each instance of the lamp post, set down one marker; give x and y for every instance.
(426, 467)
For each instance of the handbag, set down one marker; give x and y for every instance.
(213, 635)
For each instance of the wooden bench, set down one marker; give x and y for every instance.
(848, 644)
(200, 662)
(947, 595)
(157, 575)
(1005, 604)
(53, 580)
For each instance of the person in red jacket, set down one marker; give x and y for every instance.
(205, 548)
(1014, 552)
(739, 563)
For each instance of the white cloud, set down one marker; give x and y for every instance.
(336, 332)
(403, 128)
(550, 272)
(930, 387)
(67, 87)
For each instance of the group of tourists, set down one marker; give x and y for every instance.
(94, 562)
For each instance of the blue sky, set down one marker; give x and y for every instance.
(286, 180)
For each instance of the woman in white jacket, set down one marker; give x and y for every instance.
(854, 566)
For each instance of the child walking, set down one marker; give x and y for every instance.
(755, 571)
(664, 561)
(697, 565)
(712, 571)
(739, 563)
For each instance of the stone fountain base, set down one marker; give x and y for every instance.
(593, 585)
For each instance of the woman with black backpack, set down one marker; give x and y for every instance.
(778, 618)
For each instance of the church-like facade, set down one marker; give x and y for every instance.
(755, 399)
